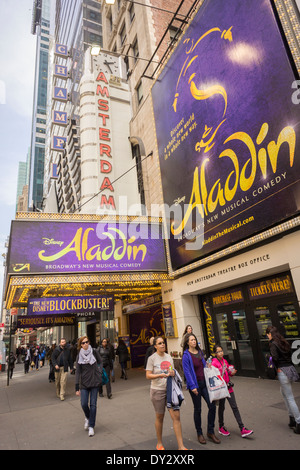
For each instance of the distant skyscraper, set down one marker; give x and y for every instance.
(23, 176)
(40, 28)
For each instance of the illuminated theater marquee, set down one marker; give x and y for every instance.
(64, 247)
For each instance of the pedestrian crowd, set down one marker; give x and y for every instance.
(94, 369)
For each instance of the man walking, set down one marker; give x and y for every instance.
(61, 360)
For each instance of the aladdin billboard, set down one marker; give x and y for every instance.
(78, 247)
(227, 130)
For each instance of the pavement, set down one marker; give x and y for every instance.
(33, 418)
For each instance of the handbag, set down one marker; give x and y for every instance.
(215, 384)
(104, 377)
(271, 370)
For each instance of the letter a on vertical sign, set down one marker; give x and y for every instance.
(60, 94)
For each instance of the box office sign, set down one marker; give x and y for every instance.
(227, 122)
(69, 247)
(71, 305)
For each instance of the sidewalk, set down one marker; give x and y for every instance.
(32, 418)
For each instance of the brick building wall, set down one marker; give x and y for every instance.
(126, 25)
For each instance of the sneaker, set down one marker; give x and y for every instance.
(91, 432)
(246, 432)
(86, 424)
(224, 431)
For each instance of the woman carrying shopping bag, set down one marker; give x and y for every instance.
(193, 364)
(226, 371)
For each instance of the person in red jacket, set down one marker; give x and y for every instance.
(226, 371)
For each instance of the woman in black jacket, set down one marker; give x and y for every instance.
(286, 373)
(122, 352)
(88, 379)
(106, 357)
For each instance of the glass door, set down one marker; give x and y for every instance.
(224, 337)
(233, 335)
(281, 314)
(262, 316)
(242, 341)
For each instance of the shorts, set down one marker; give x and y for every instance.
(159, 400)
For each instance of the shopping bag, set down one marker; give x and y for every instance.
(215, 384)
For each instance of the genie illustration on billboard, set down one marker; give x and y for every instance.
(227, 129)
(70, 247)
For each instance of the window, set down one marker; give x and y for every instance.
(139, 92)
(94, 16)
(126, 60)
(110, 22)
(123, 34)
(135, 49)
(131, 12)
(40, 130)
(41, 121)
(174, 34)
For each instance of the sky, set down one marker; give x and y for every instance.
(17, 61)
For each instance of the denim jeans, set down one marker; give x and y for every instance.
(89, 409)
(203, 392)
(287, 393)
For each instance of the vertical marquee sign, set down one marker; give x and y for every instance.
(60, 94)
(104, 135)
(225, 120)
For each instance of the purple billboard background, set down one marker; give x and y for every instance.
(64, 247)
(226, 121)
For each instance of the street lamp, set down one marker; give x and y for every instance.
(95, 49)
